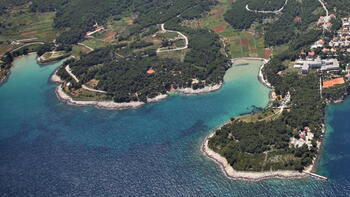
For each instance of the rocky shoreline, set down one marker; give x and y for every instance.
(127, 105)
(249, 176)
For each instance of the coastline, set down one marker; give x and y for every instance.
(206, 89)
(61, 95)
(6, 77)
(261, 75)
(49, 61)
(110, 105)
(99, 104)
(231, 173)
(248, 176)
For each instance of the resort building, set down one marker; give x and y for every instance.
(323, 65)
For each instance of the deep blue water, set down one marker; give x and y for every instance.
(48, 148)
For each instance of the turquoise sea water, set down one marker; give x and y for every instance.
(48, 148)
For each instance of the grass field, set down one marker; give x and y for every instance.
(239, 43)
(95, 43)
(267, 115)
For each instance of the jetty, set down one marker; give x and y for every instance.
(316, 175)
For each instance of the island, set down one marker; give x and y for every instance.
(125, 54)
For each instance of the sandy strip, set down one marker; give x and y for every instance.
(250, 176)
(206, 89)
(157, 98)
(55, 78)
(262, 78)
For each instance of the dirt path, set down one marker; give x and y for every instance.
(86, 46)
(69, 71)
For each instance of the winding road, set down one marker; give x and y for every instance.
(267, 12)
(160, 50)
(324, 7)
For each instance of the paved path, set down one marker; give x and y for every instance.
(324, 7)
(160, 50)
(267, 12)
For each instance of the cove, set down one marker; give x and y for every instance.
(49, 148)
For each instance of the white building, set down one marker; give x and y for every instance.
(324, 65)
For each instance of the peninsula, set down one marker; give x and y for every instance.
(284, 139)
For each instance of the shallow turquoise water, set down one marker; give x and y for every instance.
(49, 148)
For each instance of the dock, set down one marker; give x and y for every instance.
(316, 175)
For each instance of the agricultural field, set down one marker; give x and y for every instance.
(238, 43)
(36, 26)
(25, 27)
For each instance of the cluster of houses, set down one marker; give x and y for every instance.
(304, 137)
(325, 21)
(327, 48)
(317, 63)
(339, 43)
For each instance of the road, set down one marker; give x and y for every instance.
(176, 49)
(324, 7)
(267, 12)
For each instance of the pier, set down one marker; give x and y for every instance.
(316, 176)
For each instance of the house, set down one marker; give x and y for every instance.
(311, 53)
(151, 71)
(325, 50)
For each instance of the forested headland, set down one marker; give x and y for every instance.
(266, 144)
